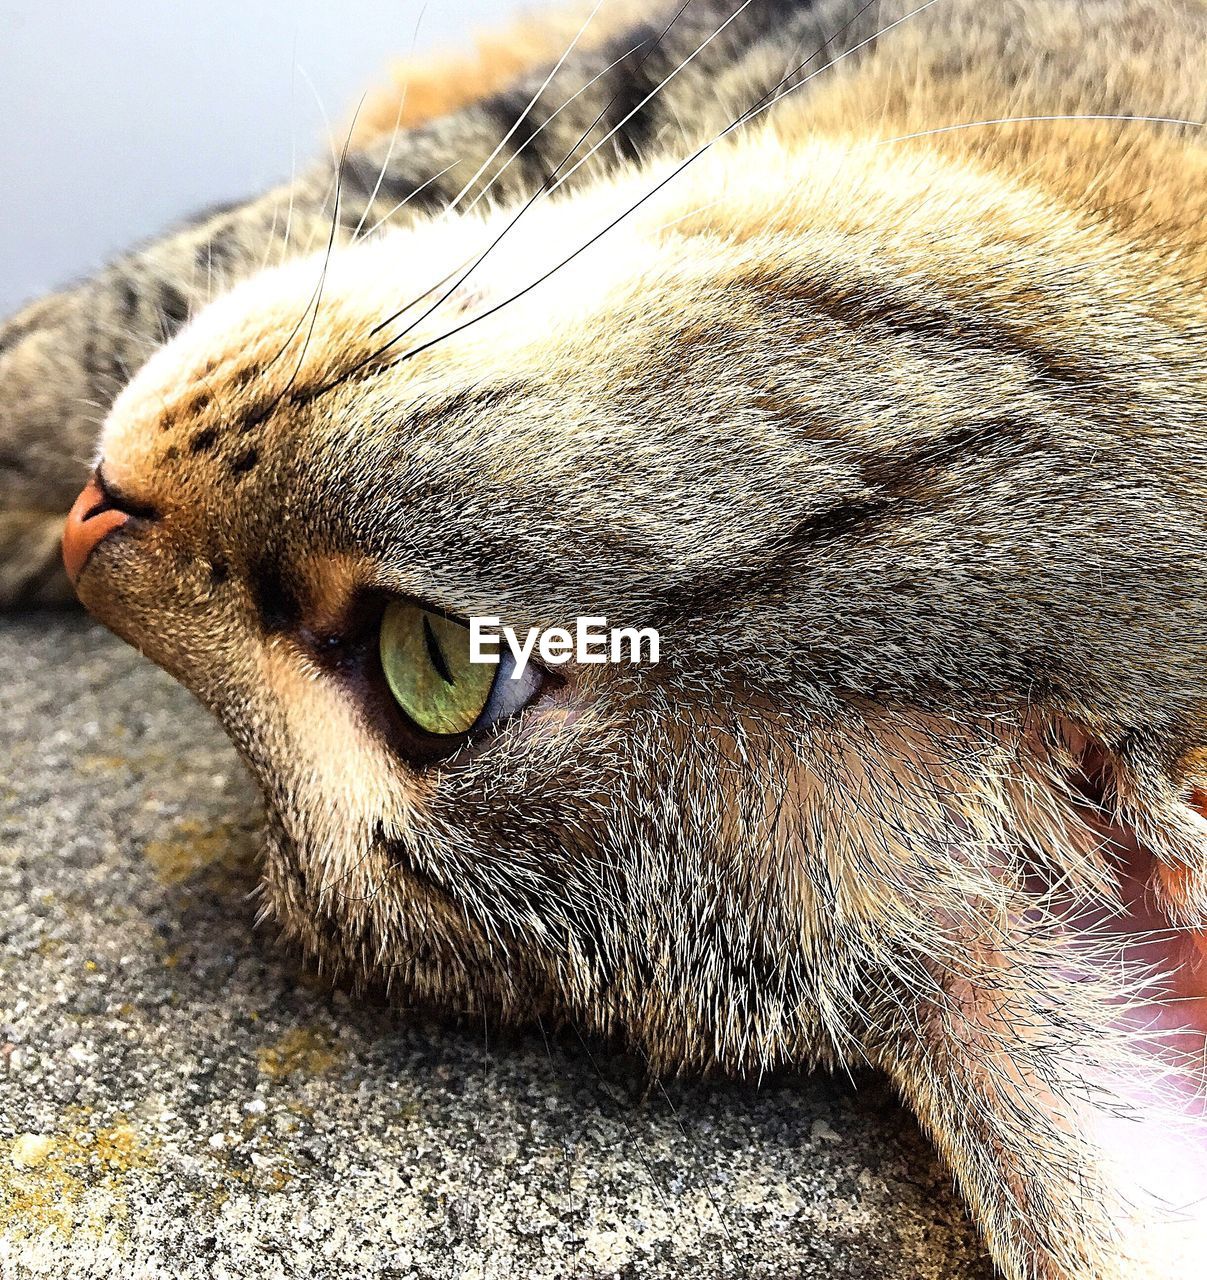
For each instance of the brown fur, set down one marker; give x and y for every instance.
(425, 88)
(897, 440)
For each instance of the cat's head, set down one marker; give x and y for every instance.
(886, 450)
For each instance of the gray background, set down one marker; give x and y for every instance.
(119, 116)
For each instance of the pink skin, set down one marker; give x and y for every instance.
(1158, 1140)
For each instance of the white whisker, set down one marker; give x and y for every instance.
(1089, 116)
(385, 217)
(742, 119)
(402, 102)
(293, 154)
(766, 106)
(536, 196)
(452, 204)
(536, 132)
(652, 93)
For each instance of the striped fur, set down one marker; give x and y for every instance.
(896, 434)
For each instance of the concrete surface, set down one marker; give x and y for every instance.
(179, 1099)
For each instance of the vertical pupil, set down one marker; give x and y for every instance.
(433, 652)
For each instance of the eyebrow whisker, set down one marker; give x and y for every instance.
(385, 164)
(557, 66)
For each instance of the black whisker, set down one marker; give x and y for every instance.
(316, 298)
(666, 1097)
(762, 104)
(634, 1144)
(335, 220)
(293, 333)
(536, 195)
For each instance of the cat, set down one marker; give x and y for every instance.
(863, 358)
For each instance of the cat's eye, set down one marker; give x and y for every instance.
(425, 658)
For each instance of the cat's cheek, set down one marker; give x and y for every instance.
(324, 731)
(334, 796)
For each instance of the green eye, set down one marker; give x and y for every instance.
(425, 657)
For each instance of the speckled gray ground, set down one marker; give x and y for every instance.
(180, 1099)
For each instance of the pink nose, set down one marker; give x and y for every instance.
(90, 520)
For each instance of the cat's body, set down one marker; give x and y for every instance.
(896, 434)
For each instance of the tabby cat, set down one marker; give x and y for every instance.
(859, 349)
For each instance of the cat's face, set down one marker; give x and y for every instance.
(839, 437)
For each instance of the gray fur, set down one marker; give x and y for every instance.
(905, 463)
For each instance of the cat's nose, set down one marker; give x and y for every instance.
(92, 518)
